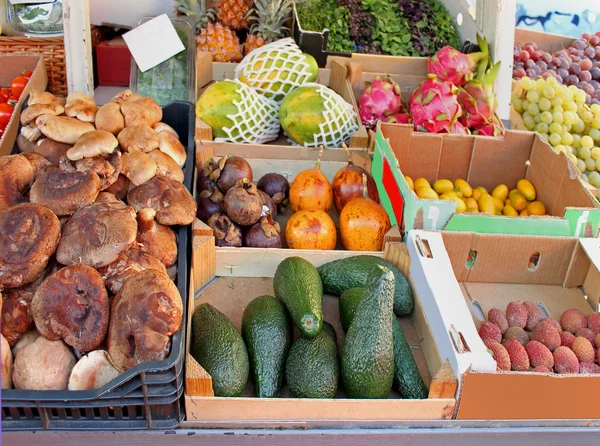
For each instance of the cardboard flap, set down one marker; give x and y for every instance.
(444, 305)
(591, 285)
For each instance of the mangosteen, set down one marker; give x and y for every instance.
(226, 232)
(268, 202)
(277, 187)
(243, 203)
(233, 170)
(265, 233)
(210, 201)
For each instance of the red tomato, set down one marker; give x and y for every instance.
(6, 111)
(27, 74)
(4, 95)
(18, 85)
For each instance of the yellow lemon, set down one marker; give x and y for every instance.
(459, 192)
(509, 211)
(420, 182)
(501, 192)
(523, 213)
(476, 194)
(526, 189)
(410, 182)
(442, 186)
(536, 208)
(498, 203)
(460, 205)
(512, 191)
(518, 201)
(471, 204)
(482, 190)
(427, 193)
(487, 205)
(465, 188)
(507, 202)
(451, 194)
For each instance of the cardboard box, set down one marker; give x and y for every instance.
(456, 296)
(335, 78)
(231, 295)
(11, 66)
(481, 161)
(114, 63)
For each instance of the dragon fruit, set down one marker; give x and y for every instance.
(398, 118)
(459, 129)
(491, 129)
(381, 98)
(449, 64)
(478, 100)
(434, 106)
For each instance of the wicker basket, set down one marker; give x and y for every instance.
(53, 50)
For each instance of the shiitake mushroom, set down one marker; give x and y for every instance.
(277, 187)
(226, 232)
(243, 203)
(265, 233)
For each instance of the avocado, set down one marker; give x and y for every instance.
(220, 350)
(267, 330)
(367, 361)
(312, 368)
(297, 284)
(407, 379)
(349, 301)
(339, 275)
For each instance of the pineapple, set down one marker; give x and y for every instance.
(267, 20)
(232, 13)
(212, 37)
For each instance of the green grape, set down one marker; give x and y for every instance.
(518, 105)
(533, 96)
(544, 104)
(584, 176)
(557, 117)
(529, 122)
(590, 163)
(540, 83)
(584, 153)
(594, 134)
(557, 101)
(546, 117)
(578, 126)
(576, 140)
(580, 97)
(596, 123)
(596, 153)
(594, 179)
(538, 118)
(598, 164)
(569, 117)
(525, 104)
(548, 91)
(555, 127)
(587, 117)
(533, 109)
(587, 142)
(551, 81)
(573, 88)
(565, 128)
(560, 148)
(542, 127)
(569, 149)
(558, 109)
(570, 106)
(581, 165)
(566, 139)
(572, 158)
(554, 139)
(526, 83)
(545, 136)
(595, 108)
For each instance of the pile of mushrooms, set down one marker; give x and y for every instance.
(88, 254)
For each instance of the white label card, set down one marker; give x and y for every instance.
(153, 42)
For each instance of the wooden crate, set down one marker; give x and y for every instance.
(335, 78)
(253, 262)
(231, 295)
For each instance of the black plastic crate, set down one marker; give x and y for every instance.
(146, 396)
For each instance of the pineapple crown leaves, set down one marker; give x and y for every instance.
(196, 10)
(267, 18)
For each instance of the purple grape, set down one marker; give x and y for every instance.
(585, 76)
(532, 74)
(574, 68)
(564, 64)
(586, 64)
(571, 79)
(595, 84)
(556, 61)
(595, 101)
(529, 64)
(547, 57)
(588, 98)
(595, 73)
(590, 52)
(559, 79)
(580, 44)
(543, 65)
(562, 72)
(597, 94)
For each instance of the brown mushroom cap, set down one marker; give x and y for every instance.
(38, 162)
(138, 167)
(106, 197)
(24, 144)
(52, 150)
(92, 371)
(43, 365)
(139, 111)
(120, 187)
(81, 106)
(144, 314)
(162, 127)
(62, 128)
(7, 363)
(29, 235)
(107, 167)
(27, 338)
(158, 240)
(170, 144)
(31, 113)
(97, 234)
(72, 305)
(138, 137)
(44, 97)
(166, 166)
(173, 203)
(110, 118)
(130, 262)
(123, 96)
(91, 144)
(65, 192)
(16, 175)
(31, 132)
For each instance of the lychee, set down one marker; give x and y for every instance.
(539, 354)
(583, 349)
(572, 320)
(519, 360)
(499, 353)
(490, 331)
(545, 333)
(597, 341)
(497, 318)
(554, 323)
(586, 333)
(589, 368)
(566, 338)
(516, 314)
(593, 322)
(542, 369)
(565, 361)
(517, 333)
(534, 315)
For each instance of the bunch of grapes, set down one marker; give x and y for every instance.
(561, 116)
(577, 65)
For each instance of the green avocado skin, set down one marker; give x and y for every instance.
(220, 350)
(267, 330)
(352, 272)
(367, 361)
(407, 379)
(312, 368)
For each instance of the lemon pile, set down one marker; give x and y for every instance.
(520, 201)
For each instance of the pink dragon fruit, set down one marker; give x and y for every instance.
(459, 129)
(449, 64)
(381, 98)
(491, 129)
(398, 118)
(478, 100)
(434, 106)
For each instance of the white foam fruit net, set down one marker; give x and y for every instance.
(340, 119)
(275, 69)
(256, 120)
